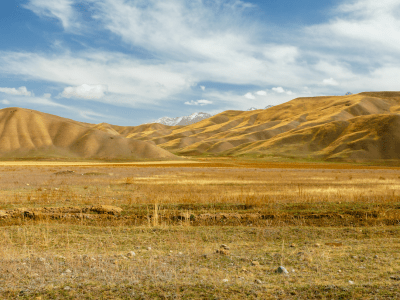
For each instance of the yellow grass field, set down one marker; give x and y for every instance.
(205, 229)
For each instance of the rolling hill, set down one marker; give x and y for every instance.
(358, 127)
(26, 133)
(363, 126)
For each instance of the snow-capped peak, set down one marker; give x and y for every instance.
(186, 120)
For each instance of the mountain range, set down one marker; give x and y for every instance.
(193, 118)
(182, 121)
(363, 126)
(357, 127)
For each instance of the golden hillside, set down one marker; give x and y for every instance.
(361, 126)
(28, 133)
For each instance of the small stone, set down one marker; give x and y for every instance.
(131, 254)
(205, 256)
(293, 245)
(395, 277)
(225, 280)
(354, 257)
(282, 270)
(376, 256)
(68, 271)
(351, 282)
(255, 263)
(224, 247)
(67, 288)
(223, 252)
(317, 245)
(149, 248)
(257, 281)
(180, 253)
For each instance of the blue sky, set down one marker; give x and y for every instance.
(129, 62)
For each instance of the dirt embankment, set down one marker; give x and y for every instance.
(61, 212)
(173, 217)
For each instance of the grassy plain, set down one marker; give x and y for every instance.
(334, 227)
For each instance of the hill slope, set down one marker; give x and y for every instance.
(360, 126)
(32, 134)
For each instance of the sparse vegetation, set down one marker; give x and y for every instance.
(338, 238)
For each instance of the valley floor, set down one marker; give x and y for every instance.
(214, 229)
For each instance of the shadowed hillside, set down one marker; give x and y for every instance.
(27, 133)
(361, 126)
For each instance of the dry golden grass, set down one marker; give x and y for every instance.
(330, 226)
(355, 127)
(26, 133)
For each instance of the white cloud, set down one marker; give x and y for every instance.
(198, 102)
(59, 9)
(87, 114)
(278, 90)
(85, 91)
(129, 80)
(203, 87)
(22, 91)
(5, 102)
(361, 23)
(250, 96)
(281, 90)
(330, 81)
(47, 95)
(261, 93)
(197, 41)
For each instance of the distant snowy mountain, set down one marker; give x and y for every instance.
(268, 106)
(187, 120)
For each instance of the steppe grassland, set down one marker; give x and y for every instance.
(309, 210)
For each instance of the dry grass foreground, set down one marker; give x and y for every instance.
(336, 231)
(364, 126)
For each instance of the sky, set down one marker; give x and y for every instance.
(129, 62)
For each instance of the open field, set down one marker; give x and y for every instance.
(335, 228)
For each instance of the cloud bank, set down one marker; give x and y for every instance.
(21, 91)
(85, 91)
(198, 102)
